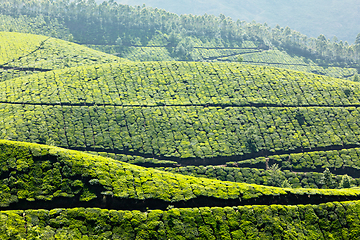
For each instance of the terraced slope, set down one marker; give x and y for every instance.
(147, 45)
(22, 54)
(81, 179)
(182, 84)
(184, 117)
(191, 114)
(75, 179)
(248, 53)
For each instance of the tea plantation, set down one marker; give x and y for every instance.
(38, 176)
(172, 149)
(24, 54)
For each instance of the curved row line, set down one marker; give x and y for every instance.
(222, 160)
(181, 105)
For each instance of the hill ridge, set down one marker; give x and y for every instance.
(94, 181)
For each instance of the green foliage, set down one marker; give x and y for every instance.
(336, 220)
(33, 178)
(62, 94)
(327, 179)
(345, 182)
(175, 84)
(171, 37)
(285, 184)
(274, 179)
(281, 178)
(114, 116)
(356, 78)
(23, 54)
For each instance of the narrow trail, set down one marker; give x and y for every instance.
(25, 68)
(182, 105)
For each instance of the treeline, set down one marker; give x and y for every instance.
(111, 23)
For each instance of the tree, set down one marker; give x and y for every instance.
(357, 41)
(345, 182)
(327, 179)
(119, 42)
(286, 184)
(321, 44)
(275, 175)
(356, 78)
(71, 38)
(184, 48)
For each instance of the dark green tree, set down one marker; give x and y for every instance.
(275, 176)
(285, 184)
(327, 179)
(345, 182)
(356, 78)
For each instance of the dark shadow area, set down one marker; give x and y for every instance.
(108, 202)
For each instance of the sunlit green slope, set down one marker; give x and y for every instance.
(75, 179)
(27, 53)
(182, 84)
(93, 179)
(148, 34)
(246, 52)
(84, 177)
(190, 113)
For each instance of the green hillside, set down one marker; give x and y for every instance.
(181, 84)
(75, 179)
(167, 114)
(81, 179)
(151, 34)
(237, 135)
(24, 54)
(268, 103)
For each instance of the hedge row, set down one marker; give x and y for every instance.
(338, 220)
(34, 172)
(270, 177)
(335, 159)
(181, 83)
(186, 132)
